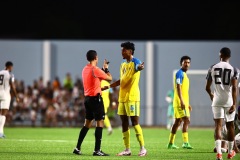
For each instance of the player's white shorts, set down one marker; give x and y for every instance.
(223, 112)
(5, 100)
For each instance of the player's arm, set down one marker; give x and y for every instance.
(208, 84)
(179, 92)
(208, 89)
(13, 88)
(113, 85)
(105, 69)
(140, 66)
(234, 95)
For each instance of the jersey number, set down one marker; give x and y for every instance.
(219, 73)
(1, 79)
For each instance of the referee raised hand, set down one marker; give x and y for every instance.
(92, 76)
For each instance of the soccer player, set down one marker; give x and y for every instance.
(106, 102)
(236, 146)
(170, 113)
(181, 104)
(224, 78)
(6, 85)
(92, 76)
(129, 97)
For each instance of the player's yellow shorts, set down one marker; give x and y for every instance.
(180, 113)
(129, 108)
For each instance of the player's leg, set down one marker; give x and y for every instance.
(237, 143)
(178, 113)
(87, 124)
(218, 115)
(230, 131)
(186, 122)
(5, 104)
(99, 114)
(125, 129)
(106, 120)
(139, 134)
(173, 132)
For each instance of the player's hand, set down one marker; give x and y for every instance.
(105, 64)
(232, 109)
(105, 88)
(190, 108)
(183, 106)
(141, 66)
(211, 96)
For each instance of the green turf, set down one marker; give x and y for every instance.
(58, 143)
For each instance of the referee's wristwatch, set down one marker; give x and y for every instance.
(105, 70)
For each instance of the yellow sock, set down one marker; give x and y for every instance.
(185, 137)
(139, 134)
(126, 138)
(107, 122)
(172, 138)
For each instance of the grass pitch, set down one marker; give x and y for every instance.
(58, 144)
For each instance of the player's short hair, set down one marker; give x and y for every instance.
(226, 52)
(91, 55)
(184, 58)
(8, 64)
(129, 45)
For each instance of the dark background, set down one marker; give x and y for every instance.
(83, 20)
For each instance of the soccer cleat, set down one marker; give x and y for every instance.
(125, 153)
(77, 151)
(99, 153)
(187, 146)
(143, 152)
(219, 157)
(2, 136)
(231, 155)
(172, 146)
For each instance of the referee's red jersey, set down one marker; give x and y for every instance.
(92, 76)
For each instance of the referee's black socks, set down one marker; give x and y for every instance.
(98, 138)
(82, 135)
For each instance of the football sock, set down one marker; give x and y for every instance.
(107, 122)
(172, 138)
(98, 138)
(139, 134)
(185, 137)
(126, 138)
(218, 146)
(230, 146)
(2, 122)
(82, 135)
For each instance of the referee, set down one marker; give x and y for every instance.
(92, 76)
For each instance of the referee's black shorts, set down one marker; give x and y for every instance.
(94, 108)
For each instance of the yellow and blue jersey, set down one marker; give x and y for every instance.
(129, 81)
(182, 79)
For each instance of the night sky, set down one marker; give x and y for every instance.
(117, 20)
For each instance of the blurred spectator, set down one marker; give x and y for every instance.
(56, 84)
(67, 82)
(52, 105)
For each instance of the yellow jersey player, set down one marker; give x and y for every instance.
(106, 102)
(129, 97)
(181, 104)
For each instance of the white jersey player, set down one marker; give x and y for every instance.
(6, 84)
(224, 99)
